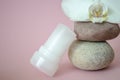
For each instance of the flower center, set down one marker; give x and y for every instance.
(98, 12)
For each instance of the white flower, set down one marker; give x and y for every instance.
(79, 10)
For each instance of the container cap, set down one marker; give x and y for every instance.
(48, 56)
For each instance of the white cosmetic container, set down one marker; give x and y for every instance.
(47, 58)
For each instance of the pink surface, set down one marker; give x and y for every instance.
(24, 26)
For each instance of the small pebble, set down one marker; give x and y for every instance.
(96, 31)
(90, 55)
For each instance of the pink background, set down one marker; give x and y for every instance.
(24, 26)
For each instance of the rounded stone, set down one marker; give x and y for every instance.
(96, 31)
(90, 55)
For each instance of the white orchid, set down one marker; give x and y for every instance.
(92, 10)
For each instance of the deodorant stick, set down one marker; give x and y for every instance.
(47, 58)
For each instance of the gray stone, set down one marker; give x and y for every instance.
(90, 55)
(96, 31)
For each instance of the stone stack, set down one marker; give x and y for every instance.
(91, 51)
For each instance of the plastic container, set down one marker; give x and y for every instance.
(47, 58)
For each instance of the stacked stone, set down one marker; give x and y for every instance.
(91, 51)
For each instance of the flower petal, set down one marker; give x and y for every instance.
(77, 10)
